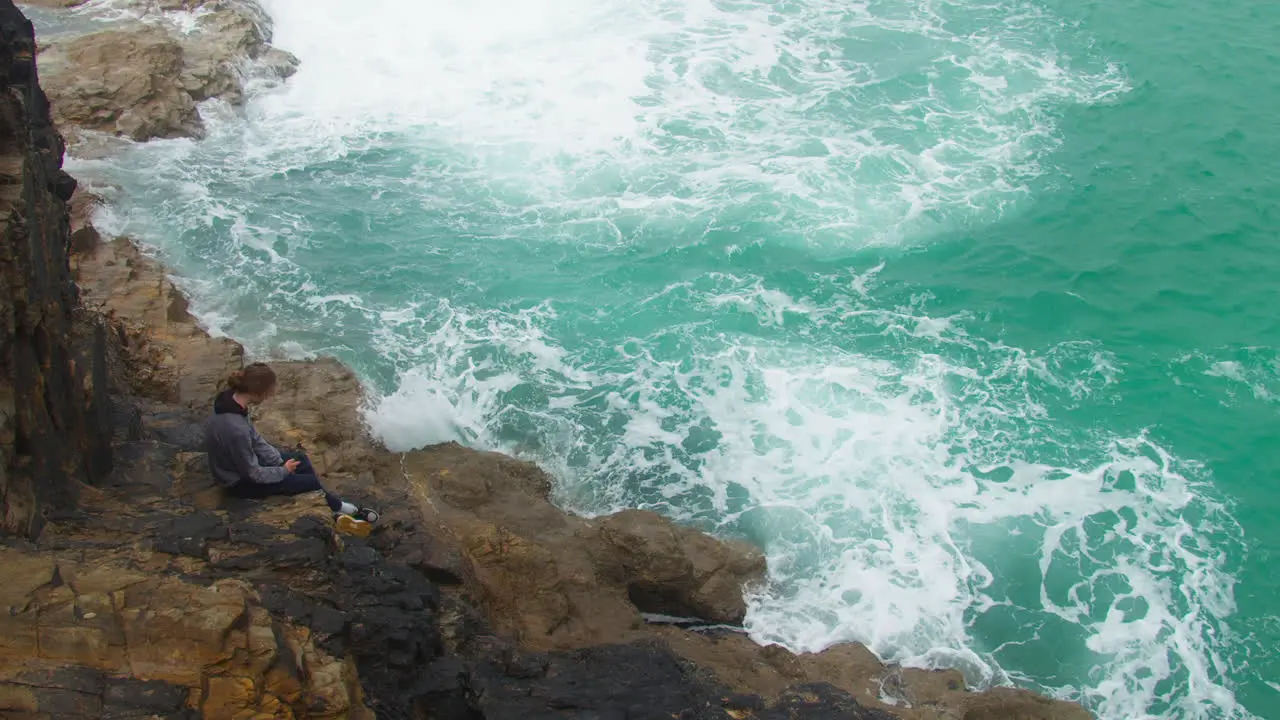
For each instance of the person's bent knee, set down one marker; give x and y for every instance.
(301, 483)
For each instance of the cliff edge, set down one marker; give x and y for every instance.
(137, 590)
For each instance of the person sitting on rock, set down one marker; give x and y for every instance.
(249, 467)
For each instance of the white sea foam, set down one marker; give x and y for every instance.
(881, 455)
(1255, 371)
(719, 104)
(883, 493)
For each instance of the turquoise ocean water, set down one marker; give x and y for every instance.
(964, 310)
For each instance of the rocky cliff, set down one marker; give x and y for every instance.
(55, 429)
(137, 590)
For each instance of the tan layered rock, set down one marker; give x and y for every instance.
(143, 81)
(548, 578)
(670, 569)
(127, 83)
(227, 35)
(909, 693)
(215, 646)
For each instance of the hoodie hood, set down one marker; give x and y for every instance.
(225, 402)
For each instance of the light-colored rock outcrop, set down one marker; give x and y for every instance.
(144, 80)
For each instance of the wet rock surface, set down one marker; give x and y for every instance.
(143, 79)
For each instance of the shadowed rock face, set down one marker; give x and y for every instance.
(150, 594)
(54, 417)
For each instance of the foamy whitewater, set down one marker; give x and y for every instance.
(681, 253)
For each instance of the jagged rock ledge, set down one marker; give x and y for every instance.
(143, 80)
(137, 590)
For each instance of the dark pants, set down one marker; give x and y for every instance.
(304, 480)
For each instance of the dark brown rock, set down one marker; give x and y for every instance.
(673, 570)
(558, 581)
(638, 680)
(1012, 704)
(54, 414)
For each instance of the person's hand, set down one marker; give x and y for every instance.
(291, 465)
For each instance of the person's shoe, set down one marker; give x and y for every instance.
(368, 515)
(353, 526)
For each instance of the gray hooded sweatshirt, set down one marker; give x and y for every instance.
(237, 453)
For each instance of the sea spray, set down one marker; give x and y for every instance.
(653, 246)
